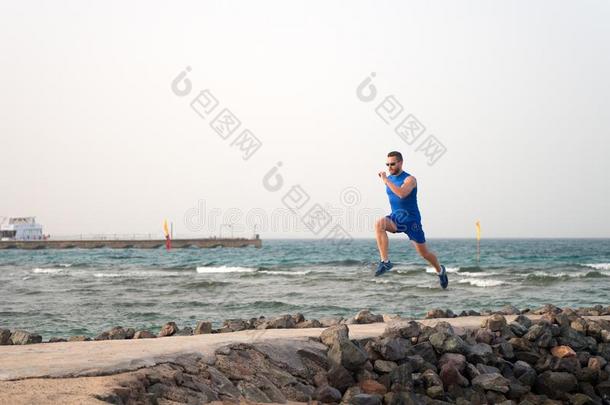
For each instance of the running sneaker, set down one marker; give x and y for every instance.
(383, 267)
(444, 280)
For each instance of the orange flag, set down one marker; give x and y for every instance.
(168, 241)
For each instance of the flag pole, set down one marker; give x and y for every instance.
(478, 227)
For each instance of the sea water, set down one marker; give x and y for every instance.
(78, 291)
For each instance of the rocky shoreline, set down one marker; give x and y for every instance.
(560, 357)
(19, 336)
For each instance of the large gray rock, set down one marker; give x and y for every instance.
(509, 310)
(483, 336)
(5, 337)
(340, 378)
(22, 337)
(327, 394)
(603, 389)
(517, 328)
(436, 313)
(298, 318)
(455, 359)
(524, 321)
(401, 378)
(366, 399)
(401, 398)
(300, 358)
(251, 392)
(334, 335)
(479, 353)
(444, 327)
(186, 331)
(524, 373)
(517, 390)
(444, 343)
(504, 350)
(309, 323)
(530, 357)
(485, 369)
(366, 316)
(118, 333)
(202, 327)
(537, 330)
(79, 338)
(577, 341)
(234, 325)
(597, 363)
(603, 350)
(425, 350)
(222, 384)
(521, 344)
(350, 393)
(494, 323)
(547, 308)
(384, 366)
(392, 348)
(330, 321)
(491, 382)
(168, 329)
(269, 388)
(431, 379)
(451, 376)
(281, 322)
(144, 334)
(347, 354)
(404, 329)
(556, 384)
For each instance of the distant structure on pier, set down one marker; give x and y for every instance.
(25, 233)
(21, 228)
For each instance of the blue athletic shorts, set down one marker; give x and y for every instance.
(412, 228)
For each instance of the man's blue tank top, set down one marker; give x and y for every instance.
(406, 208)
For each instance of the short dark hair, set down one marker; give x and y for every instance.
(396, 154)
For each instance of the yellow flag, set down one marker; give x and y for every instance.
(165, 229)
(478, 225)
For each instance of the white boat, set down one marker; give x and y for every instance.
(21, 228)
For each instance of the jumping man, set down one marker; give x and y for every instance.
(402, 193)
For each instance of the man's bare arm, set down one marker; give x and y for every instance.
(405, 189)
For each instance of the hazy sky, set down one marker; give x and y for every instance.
(94, 140)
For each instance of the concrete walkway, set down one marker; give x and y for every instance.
(93, 358)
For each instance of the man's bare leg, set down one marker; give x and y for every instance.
(381, 226)
(427, 254)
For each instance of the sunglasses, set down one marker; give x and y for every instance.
(391, 164)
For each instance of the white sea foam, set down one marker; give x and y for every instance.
(598, 266)
(449, 269)
(225, 269)
(472, 274)
(47, 270)
(431, 286)
(285, 272)
(137, 273)
(540, 273)
(563, 274)
(478, 282)
(107, 275)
